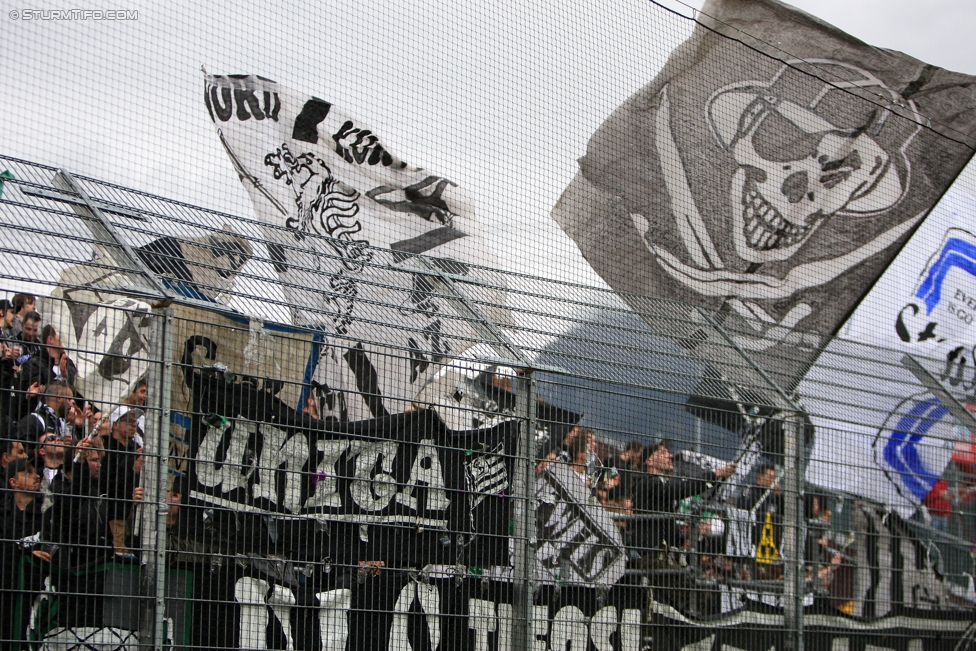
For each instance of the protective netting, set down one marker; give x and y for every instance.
(589, 327)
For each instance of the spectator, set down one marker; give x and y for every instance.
(182, 544)
(50, 453)
(51, 413)
(7, 315)
(629, 464)
(710, 526)
(119, 479)
(630, 459)
(30, 344)
(50, 363)
(10, 450)
(9, 352)
(939, 506)
(21, 528)
(659, 494)
(765, 502)
(22, 519)
(136, 398)
(78, 518)
(658, 536)
(822, 560)
(29, 337)
(612, 499)
(562, 453)
(94, 456)
(22, 304)
(577, 454)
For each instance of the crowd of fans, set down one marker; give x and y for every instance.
(70, 490)
(69, 466)
(677, 528)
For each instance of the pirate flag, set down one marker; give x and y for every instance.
(773, 188)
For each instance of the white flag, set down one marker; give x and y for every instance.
(327, 189)
(881, 433)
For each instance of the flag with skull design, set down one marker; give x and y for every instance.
(344, 223)
(772, 188)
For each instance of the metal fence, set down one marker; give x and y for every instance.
(189, 464)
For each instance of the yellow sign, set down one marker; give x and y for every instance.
(766, 552)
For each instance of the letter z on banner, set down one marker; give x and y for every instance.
(329, 192)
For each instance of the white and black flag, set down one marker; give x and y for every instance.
(330, 192)
(775, 188)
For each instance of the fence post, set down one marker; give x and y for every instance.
(794, 532)
(523, 502)
(155, 478)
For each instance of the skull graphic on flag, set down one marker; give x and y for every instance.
(773, 187)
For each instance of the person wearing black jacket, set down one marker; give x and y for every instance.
(119, 473)
(21, 531)
(50, 415)
(659, 493)
(30, 341)
(27, 344)
(765, 502)
(9, 351)
(23, 305)
(51, 362)
(79, 521)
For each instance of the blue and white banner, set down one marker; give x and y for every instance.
(895, 436)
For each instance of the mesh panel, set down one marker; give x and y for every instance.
(587, 327)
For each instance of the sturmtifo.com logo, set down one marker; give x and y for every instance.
(73, 14)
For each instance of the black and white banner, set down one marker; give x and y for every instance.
(403, 611)
(327, 190)
(578, 541)
(775, 187)
(402, 490)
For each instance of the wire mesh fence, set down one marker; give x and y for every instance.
(584, 392)
(183, 473)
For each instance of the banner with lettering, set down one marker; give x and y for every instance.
(399, 610)
(401, 490)
(896, 435)
(327, 189)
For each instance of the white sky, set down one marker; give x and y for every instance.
(500, 97)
